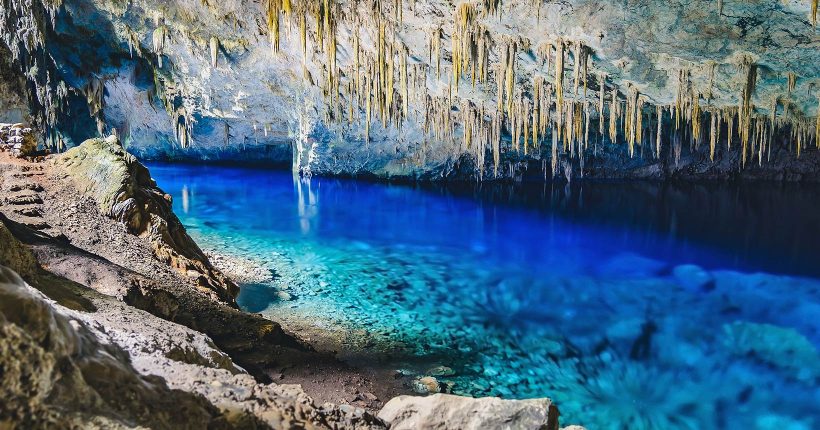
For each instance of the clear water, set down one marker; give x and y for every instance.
(631, 305)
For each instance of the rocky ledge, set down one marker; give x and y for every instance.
(111, 317)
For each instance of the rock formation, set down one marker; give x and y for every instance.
(434, 89)
(124, 190)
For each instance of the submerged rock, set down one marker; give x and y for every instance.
(628, 265)
(784, 348)
(445, 412)
(441, 371)
(693, 278)
(426, 385)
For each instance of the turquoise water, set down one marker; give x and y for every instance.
(632, 305)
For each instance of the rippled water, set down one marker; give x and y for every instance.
(632, 305)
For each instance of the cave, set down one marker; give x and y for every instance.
(410, 214)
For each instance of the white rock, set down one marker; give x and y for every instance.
(446, 411)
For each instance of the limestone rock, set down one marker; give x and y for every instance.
(445, 412)
(56, 374)
(124, 191)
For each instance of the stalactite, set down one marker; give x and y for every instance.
(435, 49)
(158, 38)
(537, 85)
(745, 109)
(817, 125)
(525, 118)
(405, 97)
(630, 122)
(613, 117)
(710, 92)
(814, 12)
(462, 39)
(214, 45)
(639, 120)
(659, 110)
(303, 35)
(272, 10)
(497, 140)
(559, 77)
(696, 120)
(791, 81)
(576, 67)
(713, 136)
(492, 7)
(601, 97)
(510, 73)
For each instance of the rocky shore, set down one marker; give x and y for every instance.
(103, 293)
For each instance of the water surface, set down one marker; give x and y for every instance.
(632, 305)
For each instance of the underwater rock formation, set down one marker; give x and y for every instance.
(124, 190)
(432, 90)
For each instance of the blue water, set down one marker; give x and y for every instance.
(631, 305)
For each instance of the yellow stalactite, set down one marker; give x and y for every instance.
(713, 136)
(559, 77)
(272, 11)
(601, 97)
(613, 117)
(214, 48)
(659, 110)
(510, 74)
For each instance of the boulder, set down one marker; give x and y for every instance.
(124, 191)
(446, 411)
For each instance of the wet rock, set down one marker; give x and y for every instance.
(440, 371)
(628, 265)
(693, 278)
(445, 411)
(426, 385)
(782, 347)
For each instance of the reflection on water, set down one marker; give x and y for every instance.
(633, 305)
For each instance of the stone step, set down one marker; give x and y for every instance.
(20, 199)
(32, 222)
(22, 186)
(24, 175)
(29, 211)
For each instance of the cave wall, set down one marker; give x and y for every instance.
(202, 80)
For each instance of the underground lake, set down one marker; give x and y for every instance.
(637, 305)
